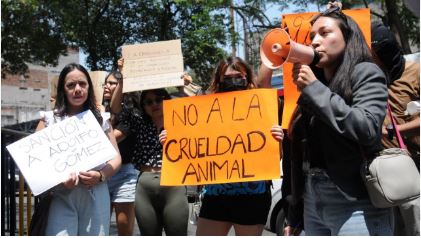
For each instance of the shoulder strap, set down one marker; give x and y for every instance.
(395, 128)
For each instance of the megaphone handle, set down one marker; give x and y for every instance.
(316, 58)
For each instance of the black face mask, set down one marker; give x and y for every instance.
(232, 84)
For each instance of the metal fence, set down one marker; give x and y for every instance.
(16, 198)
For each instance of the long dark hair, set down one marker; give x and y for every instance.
(356, 51)
(236, 63)
(62, 105)
(137, 106)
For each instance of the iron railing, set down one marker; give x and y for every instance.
(13, 190)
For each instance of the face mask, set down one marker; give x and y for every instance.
(232, 84)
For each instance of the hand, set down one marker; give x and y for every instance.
(291, 231)
(72, 181)
(163, 137)
(384, 131)
(277, 132)
(302, 76)
(90, 178)
(187, 79)
(120, 64)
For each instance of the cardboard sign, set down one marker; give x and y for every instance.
(98, 79)
(299, 29)
(53, 90)
(152, 65)
(47, 157)
(221, 138)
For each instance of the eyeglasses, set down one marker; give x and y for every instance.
(149, 102)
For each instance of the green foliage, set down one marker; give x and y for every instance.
(412, 25)
(39, 31)
(29, 35)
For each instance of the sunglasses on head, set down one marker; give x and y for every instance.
(149, 102)
(332, 10)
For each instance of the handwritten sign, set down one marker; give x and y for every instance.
(299, 29)
(47, 157)
(152, 65)
(221, 138)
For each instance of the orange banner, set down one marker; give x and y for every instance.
(221, 138)
(299, 29)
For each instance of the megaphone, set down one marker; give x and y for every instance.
(277, 47)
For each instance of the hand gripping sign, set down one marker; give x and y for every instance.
(221, 138)
(47, 157)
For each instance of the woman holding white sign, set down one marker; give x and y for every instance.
(80, 205)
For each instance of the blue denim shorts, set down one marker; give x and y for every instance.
(122, 185)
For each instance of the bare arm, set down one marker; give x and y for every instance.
(41, 125)
(119, 135)
(114, 164)
(264, 79)
(117, 98)
(407, 129)
(93, 177)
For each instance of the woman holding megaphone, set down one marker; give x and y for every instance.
(337, 122)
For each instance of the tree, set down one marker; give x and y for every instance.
(100, 27)
(28, 35)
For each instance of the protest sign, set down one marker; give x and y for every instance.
(152, 65)
(47, 157)
(221, 138)
(98, 79)
(53, 90)
(299, 29)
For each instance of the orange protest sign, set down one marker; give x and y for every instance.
(299, 29)
(221, 138)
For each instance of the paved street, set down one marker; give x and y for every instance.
(191, 228)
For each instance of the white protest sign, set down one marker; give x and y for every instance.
(152, 65)
(47, 157)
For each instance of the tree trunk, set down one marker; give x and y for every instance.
(232, 30)
(397, 26)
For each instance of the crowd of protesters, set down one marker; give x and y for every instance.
(339, 119)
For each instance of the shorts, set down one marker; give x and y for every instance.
(122, 185)
(250, 209)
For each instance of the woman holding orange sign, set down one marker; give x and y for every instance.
(243, 205)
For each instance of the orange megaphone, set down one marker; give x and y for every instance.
(277, 47)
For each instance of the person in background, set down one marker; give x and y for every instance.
(157, 207)
(244, 205)
(336, 124)
(122, 185)
(80, 205)
(403, 88)
(110, 83)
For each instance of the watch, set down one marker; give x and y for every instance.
(103, 176)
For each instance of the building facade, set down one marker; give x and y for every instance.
(23, 96)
